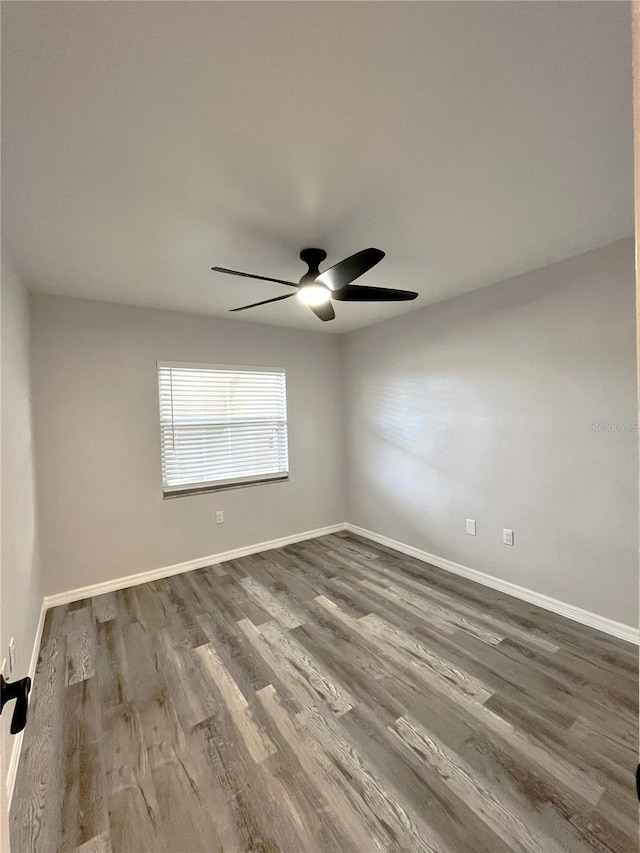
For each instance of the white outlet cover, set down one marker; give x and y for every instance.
(507, 536)
(471, 527)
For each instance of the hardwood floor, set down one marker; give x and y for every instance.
(331, 696)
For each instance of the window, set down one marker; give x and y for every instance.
(221, 426)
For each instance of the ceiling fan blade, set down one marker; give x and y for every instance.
(346, 271)
(363, 293)
(264, 302)
(250, 275)
(324, 312)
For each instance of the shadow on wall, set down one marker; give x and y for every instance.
(481, 406)
(413, 421)
(430, 430)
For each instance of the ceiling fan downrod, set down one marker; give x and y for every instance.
(312, 258)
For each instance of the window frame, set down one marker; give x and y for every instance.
(170, 492)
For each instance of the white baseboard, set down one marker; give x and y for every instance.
(577, 614)
(585, 617)
(12, 769)
(179, 568)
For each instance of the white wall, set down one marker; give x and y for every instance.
(102, 514)
(21, 595)
(481, 407)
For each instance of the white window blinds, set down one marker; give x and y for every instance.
(221, 426)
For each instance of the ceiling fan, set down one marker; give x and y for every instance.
(317, 289)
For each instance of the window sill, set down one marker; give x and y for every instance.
(221, 487)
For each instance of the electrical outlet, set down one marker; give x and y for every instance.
(471, 527)
(507, 536)
(220, 516)
(12, 655)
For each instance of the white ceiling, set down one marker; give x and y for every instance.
(143, 143)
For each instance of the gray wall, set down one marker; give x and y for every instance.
(96, 415)
(20, 592)
(482, 407)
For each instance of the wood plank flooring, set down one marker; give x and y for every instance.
(332, 696)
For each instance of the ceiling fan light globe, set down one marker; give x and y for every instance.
(314, 294)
